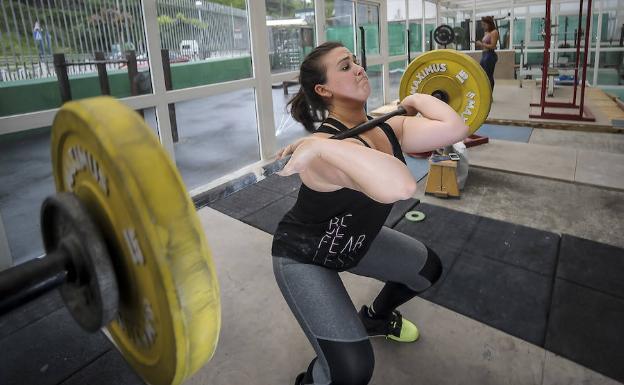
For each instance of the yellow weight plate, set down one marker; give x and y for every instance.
(458, 76)
(169, 311)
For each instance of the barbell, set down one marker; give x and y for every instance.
(123, 240)
(453, 77)
(124, 244)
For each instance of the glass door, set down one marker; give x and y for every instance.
(367, 19)
(344, 18)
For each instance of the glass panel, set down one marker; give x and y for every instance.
(611, 68)
(217, 135)
(291, 34)
(340, 16)
(396, 27)
(207, 42)
(504, 32)
(397, 68)
(613, 23)
(149, 115)
(287, 129)
(430, 25)
(415, 25)
(25, 181)
(536, 38)
(519, 31)
(459, 20)
(368, 18)
(376, 99)
(537, 9)
(33, 31)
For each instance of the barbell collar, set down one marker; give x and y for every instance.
(440, 94)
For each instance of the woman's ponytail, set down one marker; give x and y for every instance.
(300, 110)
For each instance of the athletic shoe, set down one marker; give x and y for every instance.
(394, 327)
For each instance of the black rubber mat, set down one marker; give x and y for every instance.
(29, 313)
(495, 272)
(445, 231)
(267, 218)
(107, 369)
(586, 324)
(592, 264)
(281, 185)
(246, 201)
(521, 246)
(398, 211)
(501, 295)
(48, 351)
(587, 327)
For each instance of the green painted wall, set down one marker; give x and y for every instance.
(41, 94)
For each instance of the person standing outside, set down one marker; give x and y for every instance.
(38, 37)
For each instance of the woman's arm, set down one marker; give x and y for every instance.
(438, 126)
(329, 165)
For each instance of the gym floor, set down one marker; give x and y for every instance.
(532, 290)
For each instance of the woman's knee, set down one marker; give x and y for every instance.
(432, 270)
(350, 363)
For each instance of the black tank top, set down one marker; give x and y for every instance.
(333, 229)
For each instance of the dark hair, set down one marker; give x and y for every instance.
(307, 106)
(489, 20)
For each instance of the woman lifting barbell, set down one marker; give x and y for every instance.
(337, 222)
(488, 45)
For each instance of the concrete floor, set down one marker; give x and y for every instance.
(585, 211)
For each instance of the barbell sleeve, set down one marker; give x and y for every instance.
(26, 281)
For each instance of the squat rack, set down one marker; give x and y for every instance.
(583, 112)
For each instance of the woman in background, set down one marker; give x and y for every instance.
(488, 45)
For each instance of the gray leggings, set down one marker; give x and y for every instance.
(321, 304)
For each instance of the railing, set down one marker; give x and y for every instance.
(32, 32)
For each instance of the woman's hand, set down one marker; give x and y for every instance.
(410, 103)
(303, 152)
(478, 44)
(284, 152)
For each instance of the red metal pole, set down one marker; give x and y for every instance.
(587, 51)
(546, 60)
(578, 50)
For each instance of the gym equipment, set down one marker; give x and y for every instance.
(453, 77)
(124, 244)
(459, 35)
(444, 35)
(353, 131)
(582, 112)
(370, 124)
(415, 216)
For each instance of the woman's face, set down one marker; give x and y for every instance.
(485, 26)
(346, 79)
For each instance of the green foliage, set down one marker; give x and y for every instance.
(181, 18)
(277, 9)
